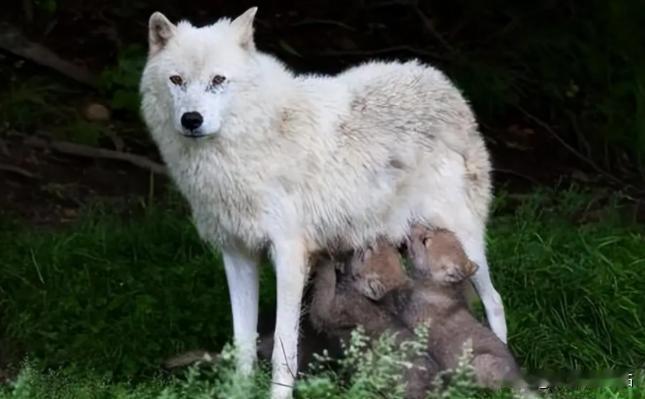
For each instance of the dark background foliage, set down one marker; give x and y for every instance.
(556, 84)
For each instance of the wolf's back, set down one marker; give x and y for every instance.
(418, 106)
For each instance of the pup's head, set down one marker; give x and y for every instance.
(377, 270)
(437, 255)
(191, 72)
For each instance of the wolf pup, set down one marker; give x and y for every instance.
(436, 297)
(341, 304)
(338, 304)
(292, 163)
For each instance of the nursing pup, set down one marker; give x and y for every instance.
(436, 298)
(343, 299)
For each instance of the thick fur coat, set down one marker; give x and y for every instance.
(301, 163)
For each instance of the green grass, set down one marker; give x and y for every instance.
(574, 291)
(365, 373)
(105, 301)
(114, 294)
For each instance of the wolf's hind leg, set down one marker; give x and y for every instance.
(491, 300)
(473, 241)
(243, 285)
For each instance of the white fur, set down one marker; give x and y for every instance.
(242, 277)
(303, 163)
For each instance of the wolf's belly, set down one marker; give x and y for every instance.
(431, 190)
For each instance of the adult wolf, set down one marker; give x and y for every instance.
(296, 164)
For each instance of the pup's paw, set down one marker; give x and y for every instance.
(370, 286)
(451, 275)
(451, 272)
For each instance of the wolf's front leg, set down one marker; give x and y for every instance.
(241, 268)
(291, 268)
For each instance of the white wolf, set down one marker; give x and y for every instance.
(297, 164)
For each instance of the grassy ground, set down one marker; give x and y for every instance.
(104, 302)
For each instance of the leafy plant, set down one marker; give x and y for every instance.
(120, 83)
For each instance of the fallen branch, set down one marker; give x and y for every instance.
(18, 170)
(569, 147)
(3, 149)
(427, 23)
(515, 173)
(28, 9)
(312, 21)
(92, 152)
(12, 40)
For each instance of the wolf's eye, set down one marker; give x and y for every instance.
(176, 80)
(218, 80)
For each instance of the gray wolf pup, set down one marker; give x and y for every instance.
(436, 297)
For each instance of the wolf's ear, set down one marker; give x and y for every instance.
(243, 26)
(160, 30)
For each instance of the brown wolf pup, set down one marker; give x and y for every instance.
(340, 304)
(436, 296)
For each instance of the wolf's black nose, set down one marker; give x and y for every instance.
(192, 120)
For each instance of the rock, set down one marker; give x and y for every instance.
(96, 112)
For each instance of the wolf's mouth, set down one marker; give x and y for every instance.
(194, 135)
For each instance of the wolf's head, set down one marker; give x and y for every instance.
(191, 72)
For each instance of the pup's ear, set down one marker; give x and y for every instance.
(243, 25)
(160, 30)
(470, 268)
